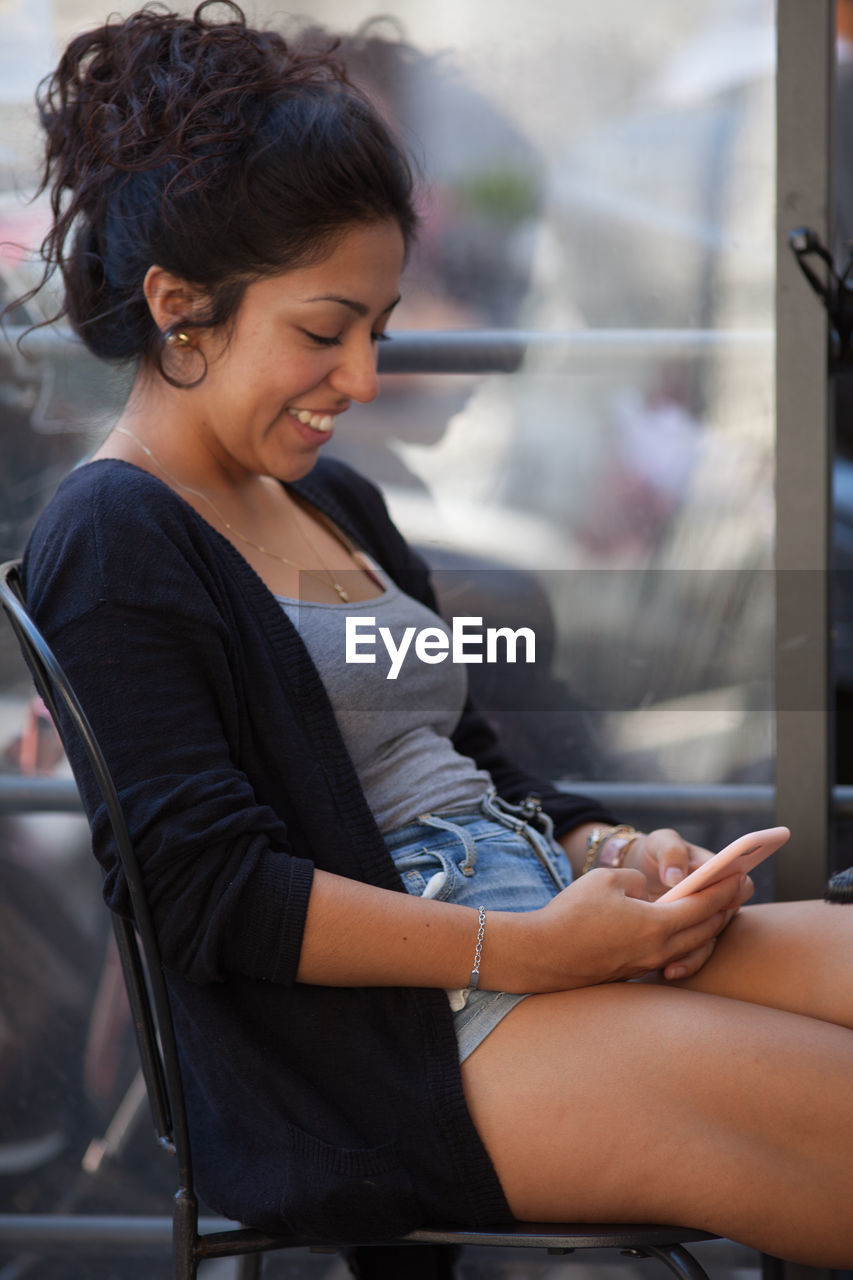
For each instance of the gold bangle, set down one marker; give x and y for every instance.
(594, 841)
(599, 836)
(618, 856)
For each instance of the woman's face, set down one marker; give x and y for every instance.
(302, 348)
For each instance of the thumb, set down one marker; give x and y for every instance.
(672, 873)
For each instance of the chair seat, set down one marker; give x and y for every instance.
(554, 1236)
(548, 1235)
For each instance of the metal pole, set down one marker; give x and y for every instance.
(804, 95)
(805, 81)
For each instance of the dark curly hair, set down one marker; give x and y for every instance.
(219, 152)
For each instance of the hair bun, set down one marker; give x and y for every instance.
(213, 149)
(135, 93)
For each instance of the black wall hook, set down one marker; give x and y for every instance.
(835, 292)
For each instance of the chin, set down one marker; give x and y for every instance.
(296, 468)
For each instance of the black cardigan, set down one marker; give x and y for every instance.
(317, 1110)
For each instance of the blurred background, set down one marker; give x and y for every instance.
(597, 190)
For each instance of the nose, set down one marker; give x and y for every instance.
(355, 375)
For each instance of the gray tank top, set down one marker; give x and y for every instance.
(397, 731)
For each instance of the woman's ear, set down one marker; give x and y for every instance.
(170, 299)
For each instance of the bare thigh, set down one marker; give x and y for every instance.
(796, 956)
(642, 1103)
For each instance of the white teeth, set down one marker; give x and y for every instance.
(317, 421)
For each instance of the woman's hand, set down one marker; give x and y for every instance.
(665, 858)
(603, 928)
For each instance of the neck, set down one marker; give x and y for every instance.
(205, 503)
(172, 447)
(186, 478)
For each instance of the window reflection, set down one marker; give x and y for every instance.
(573, 185)
(611, 480)
(588, 175)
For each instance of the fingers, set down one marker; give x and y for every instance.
(746, 891)
(673, 855)
(687, 965)
(698, 906)
(673, 863)
(698, 946)
(632, 883)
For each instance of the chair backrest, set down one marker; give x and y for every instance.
(137, 946)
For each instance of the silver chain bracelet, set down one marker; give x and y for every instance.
(478, 954)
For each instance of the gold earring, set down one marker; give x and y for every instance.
(177, 338)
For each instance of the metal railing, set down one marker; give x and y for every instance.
(479, 351)
(20, 795)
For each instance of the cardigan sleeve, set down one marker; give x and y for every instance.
(144, 620)
(134, 626)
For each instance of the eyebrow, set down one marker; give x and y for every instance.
(358, 307)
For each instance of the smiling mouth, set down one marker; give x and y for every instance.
(321, 422)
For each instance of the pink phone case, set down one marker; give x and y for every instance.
(739, 857)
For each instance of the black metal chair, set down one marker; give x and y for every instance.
(149, 1004)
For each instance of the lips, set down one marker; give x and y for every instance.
(321, 422)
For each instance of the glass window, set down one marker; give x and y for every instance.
(613, 200)
(599, 183)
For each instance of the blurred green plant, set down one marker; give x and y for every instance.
(505, 196)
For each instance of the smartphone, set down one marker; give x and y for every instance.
(738, 858)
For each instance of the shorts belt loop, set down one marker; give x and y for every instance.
(501, 810)
(432, 820)
(530, 813)
(530, 820)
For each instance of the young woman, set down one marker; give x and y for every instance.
(232, 215)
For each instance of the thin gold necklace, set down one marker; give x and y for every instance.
(327, 576)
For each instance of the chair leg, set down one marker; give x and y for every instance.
(184, 1236)
(679, 1261)
(184, 1262)
(249, 1266)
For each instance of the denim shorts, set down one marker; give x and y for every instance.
(496, 855)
